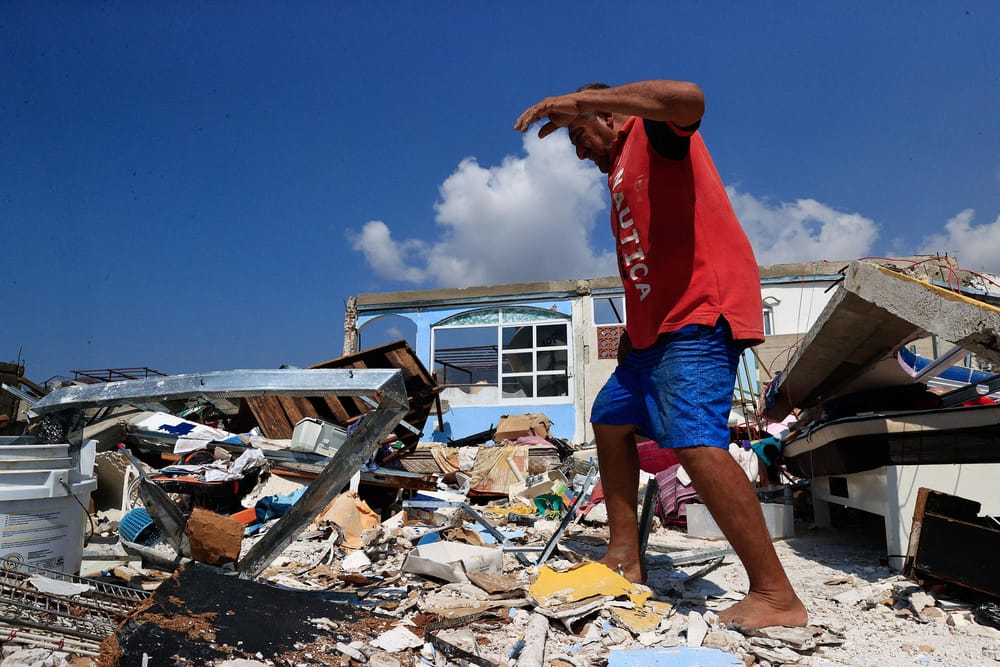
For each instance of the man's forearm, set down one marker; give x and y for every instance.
(679, 102)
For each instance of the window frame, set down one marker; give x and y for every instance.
(544, 318)
(619, 297)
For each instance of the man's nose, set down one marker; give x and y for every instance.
(579, 153)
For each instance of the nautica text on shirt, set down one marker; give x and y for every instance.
(630, 252)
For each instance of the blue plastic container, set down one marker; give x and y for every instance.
(137, 526)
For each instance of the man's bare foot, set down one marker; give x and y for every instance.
(631, 570)
(757, 610)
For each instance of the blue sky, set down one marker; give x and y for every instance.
(195, 186)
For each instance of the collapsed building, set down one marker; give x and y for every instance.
(434, 498)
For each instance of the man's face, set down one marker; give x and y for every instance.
(593, 138)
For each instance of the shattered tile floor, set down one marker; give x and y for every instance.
(328, 606)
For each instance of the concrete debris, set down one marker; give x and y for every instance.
(451, 560)
(397, 639)
(353, 652)
(778, 655)
(850, 597)
(697, 629)
(920, 601)
(310, 550)
(800, 639)
(933, 614)
(356, 562)
(533, 652)
(382, 659)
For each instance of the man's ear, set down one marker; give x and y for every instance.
(608, 119)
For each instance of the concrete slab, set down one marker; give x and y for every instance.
(875, 312)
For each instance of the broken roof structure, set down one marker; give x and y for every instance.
(877, 310)
(869, 434)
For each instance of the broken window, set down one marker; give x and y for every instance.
(609, 310)
(491, 356)
(387, 329)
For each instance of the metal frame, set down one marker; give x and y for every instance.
(20, 394)
(589, 482)
(77, 623)
(490, 528)
(229, 384)
(362, 440)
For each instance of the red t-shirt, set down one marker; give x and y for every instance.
(682, 255)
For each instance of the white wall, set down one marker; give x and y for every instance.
(800, 304)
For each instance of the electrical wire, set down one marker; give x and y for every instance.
(90, 519)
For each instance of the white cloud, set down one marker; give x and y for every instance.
(387, 257)
(802, 231)
(974, 245)
(529, 218)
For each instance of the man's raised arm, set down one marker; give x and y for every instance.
(678, 102)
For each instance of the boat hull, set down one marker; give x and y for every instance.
(855, 444)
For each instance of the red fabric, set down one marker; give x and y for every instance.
(671, 505)
(979, 400)
(653, 458)
(682, 255)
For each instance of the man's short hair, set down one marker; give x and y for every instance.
(595, 85)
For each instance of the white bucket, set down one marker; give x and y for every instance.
(42, 505)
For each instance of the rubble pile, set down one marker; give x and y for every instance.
(296, 517)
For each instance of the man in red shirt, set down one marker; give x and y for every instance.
(692, 294)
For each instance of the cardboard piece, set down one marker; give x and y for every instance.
(353, 516)
(512, 427)
(636, 620)
(451, 560)
(214, 539)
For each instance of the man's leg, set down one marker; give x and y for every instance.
(723, 487)
(618, 460)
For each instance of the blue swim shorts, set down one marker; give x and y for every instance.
(679, 391)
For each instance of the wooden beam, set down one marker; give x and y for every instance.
(270, 417)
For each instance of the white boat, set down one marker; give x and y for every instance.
(964, 434)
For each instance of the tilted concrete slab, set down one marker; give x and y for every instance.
(874, 312)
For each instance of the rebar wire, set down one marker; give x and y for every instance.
(78, 622)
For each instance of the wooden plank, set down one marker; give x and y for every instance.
(291, 409)
(312, 406)
(336, 408)
(270, 417)
(420, 385)
(296, 408)
(402, 360)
